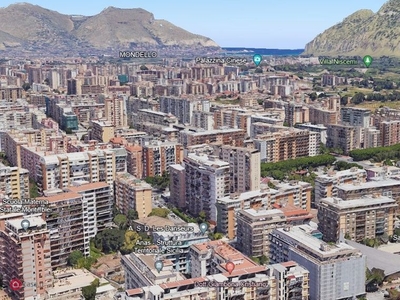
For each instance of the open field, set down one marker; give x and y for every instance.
(373, 105)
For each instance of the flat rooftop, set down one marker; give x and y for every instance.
(302, 234)
(210, 132)
(68, 280)
(369, 185)
(361, 202)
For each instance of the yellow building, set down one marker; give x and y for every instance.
(132, 193)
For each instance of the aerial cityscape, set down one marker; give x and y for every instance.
(143, 160)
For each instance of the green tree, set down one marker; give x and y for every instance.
(202, 216)
(26, 86)
(121, 221)
(264, 260)
(159, 212)
(143, 68)
(132, 215)
(96, 282)
(74, 257)
(89, 292)
(216, 236)
(109, 240)
(131, 237)
(358, 98)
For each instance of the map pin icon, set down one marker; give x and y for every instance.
(230, 266)
(25, 224)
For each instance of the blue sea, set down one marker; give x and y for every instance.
(263, 51)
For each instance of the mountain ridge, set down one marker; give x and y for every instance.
(363, 32)
(25, 24)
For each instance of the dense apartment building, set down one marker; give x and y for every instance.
(252, 283)
(115, 111)
(255, 225)
(177, 185)
(140, 272)
(180, 107)
(134, 160)
(354, 116)
(77, 215)
(206, 180)
(293, 194)
(342, 137)
(210, 258)
(294, 282)
(289, 144)
(101, 131)
(336, 271)
(326, 184)
(390, 132)
(323, 116)
(233, 137)
(60, 171)
(389, 187)
(147, 116)
(203, 119)
(133, 194)
(158, 156)
(319, 128)
(330, 79)
(25, 255)
(245, 167)
(15, 115)
(368, 217)
(14, 182)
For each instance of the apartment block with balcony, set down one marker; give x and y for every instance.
(233, 137)
(158, 156)
(14, 182)
(336, 271)
(324, 116)
(229, 206)
(355, 116)
(244, 167)
(132, 193)
(206, 180)
(147, 117)
(175, 246)
(368, 217)
(294, 193)
(101, 131)
(288, 144)
(77, 215)
(202, 287)
(134, 160)
(342, 137)
(27, 257)
(390, 132)
(389, 187)
(182, 108)
(253, 228)
(59, 171)
(255, 225)
(326, 184)
(115, 111)
(65, 224)
(177, 185)
(140, 271)
(293, 281)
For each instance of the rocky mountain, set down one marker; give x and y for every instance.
(27, 25)
(363, 32)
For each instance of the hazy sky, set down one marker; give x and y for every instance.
(281, 24)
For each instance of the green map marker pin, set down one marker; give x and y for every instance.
(367, 60)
